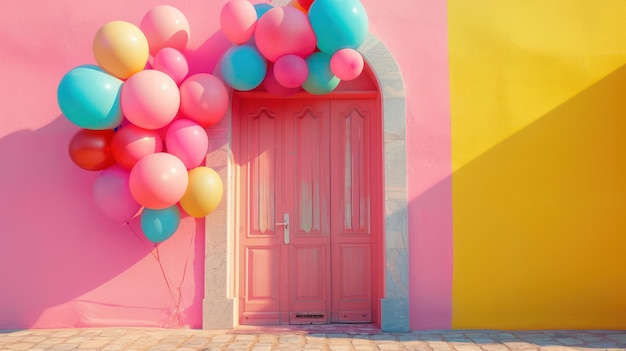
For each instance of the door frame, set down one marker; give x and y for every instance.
(220, 308)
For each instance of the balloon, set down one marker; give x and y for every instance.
(160, 225)
(132, 143)
(305, 4)
(291, 71)
(91, 149)
(90, 98)
(346, 64)
(320, 79)
(282, 31)
(261, 9)
(165, 26)
(111, 194)
(338, 24)
(296, 5)
(204, 99)
(273, 87)
(150, 99)
(120, 48)
(238, 20)
(204, 192)
(158, 180)
(188, 141)
(172, 62)
(243, 67)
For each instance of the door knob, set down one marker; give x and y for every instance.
(286, 229)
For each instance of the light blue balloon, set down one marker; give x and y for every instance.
(90, 98)
(338, 24)
(261, 9)
(159, 225)
(243, 67)
(321, 79)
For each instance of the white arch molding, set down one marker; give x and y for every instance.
(219, 310)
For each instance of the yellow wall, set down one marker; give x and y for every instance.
(538, 100)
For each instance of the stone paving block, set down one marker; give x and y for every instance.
(466, 347)
(196, 342)
(494, 347)
(262, 347)
(95, 343)
(518, 345)
(20, 346)
(291, 339)
(222, 338)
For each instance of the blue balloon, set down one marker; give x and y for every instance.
(243, 67)
(90, 98)
(261, 9)
(321, 79)
(338, 24)
(159, 225)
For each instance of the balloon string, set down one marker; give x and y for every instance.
(155, 253)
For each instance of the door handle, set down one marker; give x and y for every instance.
(286, 229)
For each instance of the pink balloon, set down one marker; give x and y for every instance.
(131, 143)
(291, 71)
(283, 31)
(111, 194)
(158, 180)
(150, 99)
(204, 99)
(238, 20)
(346, 64)
(172, 62)
(275, 88)
(188, 141)
(165, 26)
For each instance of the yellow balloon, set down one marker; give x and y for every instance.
(204, 192)
(121, 49)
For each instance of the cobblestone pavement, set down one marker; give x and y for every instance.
(143, 339)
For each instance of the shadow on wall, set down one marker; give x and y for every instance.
(539, 221)
(63, 264)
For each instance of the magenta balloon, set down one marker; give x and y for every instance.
(165, 26)
(238, 20)
(150, 99)
(112, 196)
(203, 99)
(346, 64)
(188, 141)
(291, 71)
(131, 143)
(158, 180)
(283, 31)
(173, 63)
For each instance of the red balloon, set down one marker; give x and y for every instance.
(305, 3)
(131, 143)
(91, 149)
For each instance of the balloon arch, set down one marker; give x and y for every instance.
(143, 118)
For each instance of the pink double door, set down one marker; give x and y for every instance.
(306, 244)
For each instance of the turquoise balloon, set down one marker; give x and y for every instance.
(261, 9)
(90, 98)
(159, 225)
(243, 67)
(338, 24)
(321, 79)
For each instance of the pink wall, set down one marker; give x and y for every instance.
(63, 264)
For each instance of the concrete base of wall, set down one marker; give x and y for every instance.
(394, 315)
(219, 313)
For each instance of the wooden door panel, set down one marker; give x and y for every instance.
(263, 251)
(307, 193)
(351, 223)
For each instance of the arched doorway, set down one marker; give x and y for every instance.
(389, 299)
